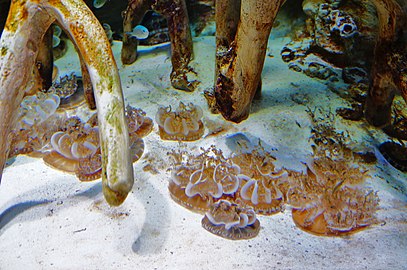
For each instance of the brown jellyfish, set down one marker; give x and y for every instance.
(71, 146)
(136, 148)
(70, 91)
(89, 168)
(36, 122)
(227, 175)
(263, 195)
(200, 189)
(202, 183)
(325, 204)
(262, 186)
(139, 124)
(36, 109)
(198, 181)
(184, 166)
(183, 124)
(230, 221)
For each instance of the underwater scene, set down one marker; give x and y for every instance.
(203, 134)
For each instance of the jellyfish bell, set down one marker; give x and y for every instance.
(231, 221)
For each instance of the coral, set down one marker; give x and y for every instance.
(300, 59)
(332, 24)
(230, 221)
(334, 37)
(343, 23)
(183, 124)
(315, 67)
(354, 75)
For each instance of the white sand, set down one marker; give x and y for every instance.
(50, 220)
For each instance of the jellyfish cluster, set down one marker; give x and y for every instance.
(329, 198)
(76, 148)
(68, 143)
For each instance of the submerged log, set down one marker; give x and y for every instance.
(176, 14)
(384, 77)
(87, 84)
(132, 16)
(227, 16)
(45, 60)
(19, 45)
(239, 76)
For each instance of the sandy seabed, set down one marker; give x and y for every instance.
(50, 220)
